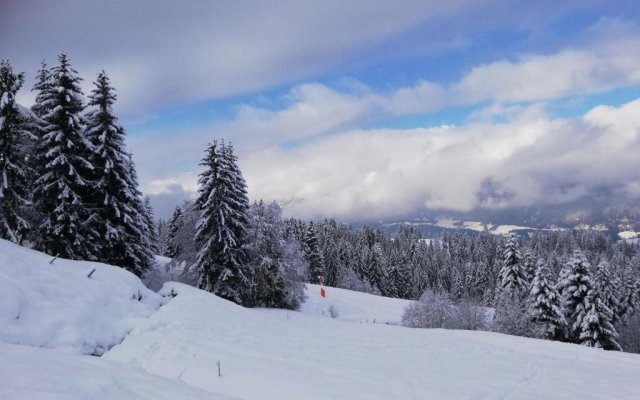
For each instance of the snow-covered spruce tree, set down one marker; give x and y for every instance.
(511, 316)
(529, 267)
(61, 191)
(114, 191)
(143, 250)
(222, 226)
(41, 107)
(312, 255)
(275, 266)
(607, 287)
(575, 289)
(512, 275)
(152, 227)
(42, 86)
(15, 172)
(173, 249)
(544, 305)
(596, 328)
(630, 299)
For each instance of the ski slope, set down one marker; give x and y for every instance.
(167, 346)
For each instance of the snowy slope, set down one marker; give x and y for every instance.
(269, 354)
(29, 373)
(353, 306)
(56, 305)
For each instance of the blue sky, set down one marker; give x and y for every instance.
(349, 109)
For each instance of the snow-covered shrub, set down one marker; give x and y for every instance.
(470, 315)
(333, 311)
(432, 310)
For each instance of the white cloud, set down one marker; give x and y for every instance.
(531, 159)
(336, 168)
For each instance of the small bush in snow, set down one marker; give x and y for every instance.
(437, 310)
(432, 310)
(470, 315)
(333, 311)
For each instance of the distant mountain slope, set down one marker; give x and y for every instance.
(609, 215)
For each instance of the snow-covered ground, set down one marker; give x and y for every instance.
(30, 373)
(353, 306)
(270, 354)
(58, 305)
(172, 351)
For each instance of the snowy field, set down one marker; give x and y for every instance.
(172, 352)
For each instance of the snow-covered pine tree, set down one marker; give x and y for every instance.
(529, 267)
(222, 226)
(607, 287)
(44, 83)
(575, 288)
(511, 316)
(275, 266)
(173, 249)
(152, 227)
(143, 248)
(61, 191)
(512, 275)
(114, 192)
(312, 255)
(544, 305)
(596, 328)
(630, 299)
(15, 171)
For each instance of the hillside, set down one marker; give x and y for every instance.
(172, 351)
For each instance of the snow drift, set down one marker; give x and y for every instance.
(57, 305)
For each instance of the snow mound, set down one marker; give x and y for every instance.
(281, 355)
(29, 373)
(58, 305)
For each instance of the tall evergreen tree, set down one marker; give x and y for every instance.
(596, 329)
(529, 267)
(61, 191)
(276, 268)
(607, 287)
(510, 314)
(630, 299)
(512, 275)
(15, 172)
(545, 309)
(312, 256)
(222, 226)
(575, 289)
(44, 83)
(120, 221)
(152, 227)
(173, 248)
